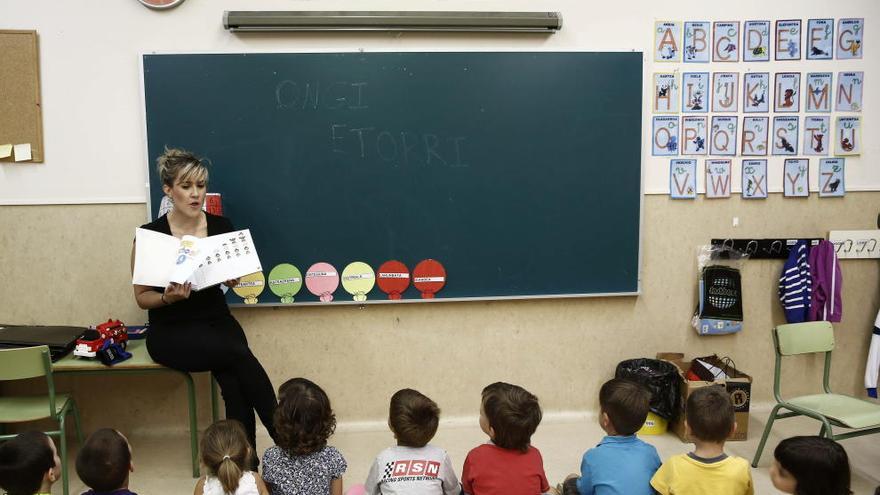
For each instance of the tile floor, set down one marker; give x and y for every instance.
(162, 462)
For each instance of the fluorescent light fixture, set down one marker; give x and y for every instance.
(267, 21)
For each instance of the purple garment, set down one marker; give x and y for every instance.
(825, 302)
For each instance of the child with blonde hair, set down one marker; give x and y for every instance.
(226, 453)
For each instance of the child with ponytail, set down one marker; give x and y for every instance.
(225, 454)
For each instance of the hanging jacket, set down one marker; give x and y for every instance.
(795, 284)
(827, 283)
(872, 370)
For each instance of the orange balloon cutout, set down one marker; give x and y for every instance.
(429, 277)
(393, 279)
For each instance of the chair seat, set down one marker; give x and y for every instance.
(848, 411)
(21, 409)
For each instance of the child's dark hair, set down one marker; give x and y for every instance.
(513, 413)
(24, 461)
(413, 418)
(225, 452)
(104, 460)
(819, 465)
(303, 420)
(626, 403)
(710, 414)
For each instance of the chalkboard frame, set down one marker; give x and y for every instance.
(340, 301)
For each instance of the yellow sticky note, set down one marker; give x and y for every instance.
(5, 150)
(22, 152)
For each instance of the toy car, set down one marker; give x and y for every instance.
(106, 334)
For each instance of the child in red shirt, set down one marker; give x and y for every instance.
(508, 465)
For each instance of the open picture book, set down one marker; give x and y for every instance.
(161, 259)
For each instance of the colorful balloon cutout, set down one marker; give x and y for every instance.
(429, 277)
(250, 286)
(393, 278)
(322, 280)
(285, 281)
(358, 279)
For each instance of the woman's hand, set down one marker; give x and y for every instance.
(177, 292)
(232, 282)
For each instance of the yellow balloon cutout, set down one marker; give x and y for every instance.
(358, 279)
(250, 286)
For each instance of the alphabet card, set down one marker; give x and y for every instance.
(683, 178)
(667, 40)
(820, 39)
(756, 41)
(818, 92)
(848, 134)
(788, 92)
(849, 38)
(849, 91)
(816, 135)
(754, 179)
(695, 91)
(665, 131)
(696, 42)
(785, 135)
(797, 178)
(717, 178)
(756, 92)
(754, 136)
(725, 91)
(831, 177)
(725, 42)
(693, 135)
(665, 92)
(723, 138)
(788, 40)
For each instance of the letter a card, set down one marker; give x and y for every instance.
(849, 91)
(725, 42)
(717, 178)
(820, 39)
(818, 92)
(667, 40)
(797, 178)
(665, 92)
(754, 179)
(848, 136)
(756, 41)
(696, 41)
(683, 179)
(665, 132)
(788, 40)
(831, 177)
(849, 38)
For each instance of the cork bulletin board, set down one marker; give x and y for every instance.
(21, 115)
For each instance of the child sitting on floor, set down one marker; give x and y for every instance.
(104, 463)
(29, 464)
(226, 452)
(810, 466)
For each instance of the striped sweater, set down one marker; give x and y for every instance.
(795, 284)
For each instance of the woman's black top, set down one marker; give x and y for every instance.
(206, 304)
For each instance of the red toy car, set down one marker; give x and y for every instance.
(93, 340)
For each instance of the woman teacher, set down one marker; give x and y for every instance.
(194, 330)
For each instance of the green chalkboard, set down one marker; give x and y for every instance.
(519, 172)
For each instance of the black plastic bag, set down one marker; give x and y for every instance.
(659, 377)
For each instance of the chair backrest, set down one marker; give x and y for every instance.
(805, 338)
(24, 362)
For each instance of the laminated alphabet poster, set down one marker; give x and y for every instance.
(831, 177)
(695, 92)
(816, 135)
(683, 178)
(820, 39)
(756, 92)
(796, 182)
(725, 42)
(717, 178)
(665, 92)
(756, 41)
(723, 136)
(849, 38)
(667, 40)
(665, 136)
(754, 179)
(694, 132)
(696, 41)
(788, 40)
(788, 92)
(849, 91)
(754, 136)
(848, 136)
(819, 92)
(725, 91)
(785, 135)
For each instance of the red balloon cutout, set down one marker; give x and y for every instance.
(393, 278)
(429, 277)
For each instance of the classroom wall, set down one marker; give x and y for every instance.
(69, 263)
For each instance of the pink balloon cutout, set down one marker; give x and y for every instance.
(322, 280)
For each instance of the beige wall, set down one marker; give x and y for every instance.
(69, 265)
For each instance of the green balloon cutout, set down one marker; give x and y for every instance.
(285, 280)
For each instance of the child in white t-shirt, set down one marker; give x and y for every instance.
(226, 454)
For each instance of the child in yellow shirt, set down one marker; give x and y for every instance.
(709, 422)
